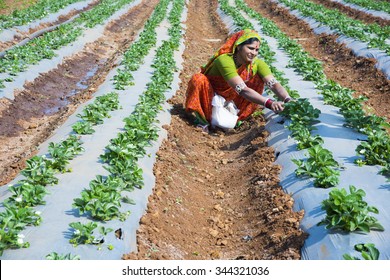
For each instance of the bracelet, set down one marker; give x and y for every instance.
(271, 83)
(287, 99)
(268, 102)
(240, 87)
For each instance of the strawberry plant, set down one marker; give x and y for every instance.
(373, 34)
(97, 111)
(83, 233)
(376, 150)
(102, 202)
(333, 93)
(94, 113)
(11, 239)
(18, 218)
(134, 56)
(301, 111)
(320, 165)
(19, 58)
(60, 155)
(102, 199)
(303, 137)
(349, 212)
(358, 120)
(303, 115)
(83, 128)
(109, 101)
(39, 171)
(26, 194)
(368, 251)
(128, 172)
(386, 171)
(56, 256)
(122, 79)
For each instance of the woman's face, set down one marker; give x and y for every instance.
(247, 53)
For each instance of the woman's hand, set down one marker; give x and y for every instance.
(277, 107)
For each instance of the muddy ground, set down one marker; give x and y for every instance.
(217, 194)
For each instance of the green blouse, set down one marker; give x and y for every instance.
(224, 66)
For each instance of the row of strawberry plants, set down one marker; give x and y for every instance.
(376, 5)
(373, 34)
(102, 200)
(359, 218)
(140, 131)
(40, 172)
(36, 11)
(133, 57)
(17, 59)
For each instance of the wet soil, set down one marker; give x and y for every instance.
(217, 194)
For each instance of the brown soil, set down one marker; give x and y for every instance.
(217, 194)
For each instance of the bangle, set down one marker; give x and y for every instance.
(271, 83)
(240, 87)
(287, 99)
(268, 102)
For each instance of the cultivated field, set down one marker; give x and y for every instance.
(98, 159)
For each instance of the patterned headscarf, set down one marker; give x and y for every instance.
(231, 45)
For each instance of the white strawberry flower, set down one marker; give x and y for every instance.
(20, 238)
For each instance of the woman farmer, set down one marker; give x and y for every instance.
(237, 74)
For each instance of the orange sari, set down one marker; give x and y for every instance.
(201, 87)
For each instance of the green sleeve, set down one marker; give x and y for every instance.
(224, 66)
(261, 68)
